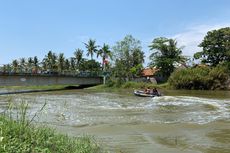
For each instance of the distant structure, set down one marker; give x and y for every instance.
(149, 74)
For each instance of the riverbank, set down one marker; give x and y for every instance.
(165, 89)
(21, 136)
(129, 86)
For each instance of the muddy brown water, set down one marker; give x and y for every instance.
(178, 122)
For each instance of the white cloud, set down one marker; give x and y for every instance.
(193, 36)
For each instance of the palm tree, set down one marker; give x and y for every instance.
(54, 62)
(23, 65)
(105, 53)
(67, 65)
(165, 55)
(30, 63)
(36, 64)
(6, 68)
(72, 64)
(78, 56)
(61, 62)
(47, 61)
(50, 61)
(15, 66)
(91, 47)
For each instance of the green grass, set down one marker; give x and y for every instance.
(18, 135)
(128, 88)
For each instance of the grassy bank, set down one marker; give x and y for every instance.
(19, 135)
(128, 86)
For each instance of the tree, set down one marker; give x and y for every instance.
(91, 48)
(104, 53)
(30, 63)
(128, 55)
(67, 65)
(216, 47)
(89, 65)
(50, 62)
(61, 62)
(15, 66)
(22, 63)
(166, 54)
(36, 64)
(6, 68)
(72, 64)
(78, 54)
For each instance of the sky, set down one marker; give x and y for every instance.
(31, 28)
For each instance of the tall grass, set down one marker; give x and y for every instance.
(19, 136)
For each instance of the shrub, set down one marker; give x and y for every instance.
(203, 78)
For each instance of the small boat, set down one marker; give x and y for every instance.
(141, 93)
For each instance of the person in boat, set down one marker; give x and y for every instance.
(155, 92)
(147, 91)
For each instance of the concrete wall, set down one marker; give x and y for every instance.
(34, 80)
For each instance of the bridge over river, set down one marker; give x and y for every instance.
(30, 79)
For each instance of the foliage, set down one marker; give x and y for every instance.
(18, 136)
(166, 54)
(216, 47)
(15, 65)
(128, 57)
(105, 53)
(50, 62)
(89, 65)
(61, 62)
(91, 48)
(200, 78)
(78, 54)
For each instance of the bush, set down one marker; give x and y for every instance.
(202, 78)
(115, 82)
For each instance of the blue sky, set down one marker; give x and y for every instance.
(33, 27)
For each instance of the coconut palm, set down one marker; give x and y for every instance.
(61, 62)
(15, 65)
(165, 55)
(30, 63)
(67, 65)
(78, 54)
(91, 48)
(104, 53)
(72, 63)
(22, 64)
(50, 61)
(36, 64)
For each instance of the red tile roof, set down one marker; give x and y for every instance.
(149, 71)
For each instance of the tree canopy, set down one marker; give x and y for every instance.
(216, 47)
(166, 54)
(91, 47)
(129, 58)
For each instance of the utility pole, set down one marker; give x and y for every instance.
(104, 76)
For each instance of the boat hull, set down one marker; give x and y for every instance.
(142, 94)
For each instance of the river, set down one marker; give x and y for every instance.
(178, 122)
